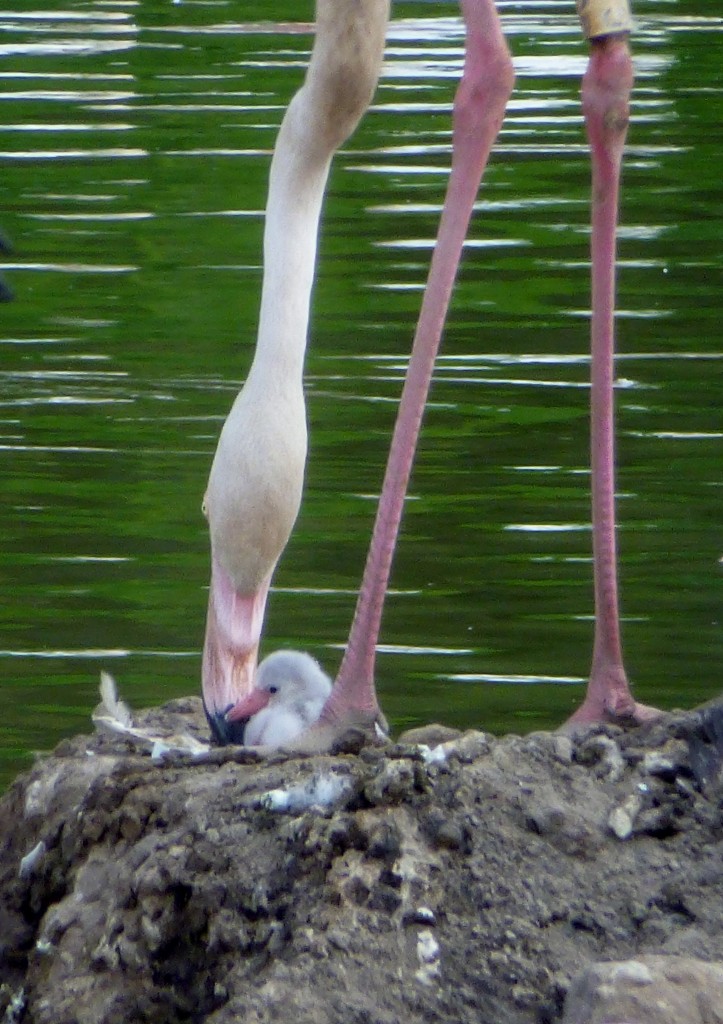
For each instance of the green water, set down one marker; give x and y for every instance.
(135, 145)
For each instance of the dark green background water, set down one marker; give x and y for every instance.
(135, 145)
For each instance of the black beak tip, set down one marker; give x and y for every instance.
(223, 732)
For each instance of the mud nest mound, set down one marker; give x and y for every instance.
(462, 881)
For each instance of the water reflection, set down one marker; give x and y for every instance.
(136, 160)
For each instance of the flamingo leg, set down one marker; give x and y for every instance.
(478, 112)
(605, 96)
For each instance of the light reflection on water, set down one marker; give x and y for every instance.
(145, 257)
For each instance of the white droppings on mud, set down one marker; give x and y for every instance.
(433, 755)
(31, 860)
(15, 1009)
(177, 745)
(622, 818)
(39, 794)
(321, 791)
(429, 955)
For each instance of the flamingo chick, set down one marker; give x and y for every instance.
(290, 690)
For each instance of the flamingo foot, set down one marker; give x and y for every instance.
(609, 699)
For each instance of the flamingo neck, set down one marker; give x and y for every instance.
(296, 190)
(338, 87)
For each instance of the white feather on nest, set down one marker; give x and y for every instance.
(117, 710)
(114, 716)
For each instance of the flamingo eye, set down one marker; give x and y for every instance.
(273, 689)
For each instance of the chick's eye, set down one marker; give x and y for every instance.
(273, 689)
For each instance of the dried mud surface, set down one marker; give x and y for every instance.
(367, 887)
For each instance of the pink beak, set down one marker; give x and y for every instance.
(249, 706)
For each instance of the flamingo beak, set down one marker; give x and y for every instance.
(233, 632)
(227, 674)
(256, 701)
(223, 732)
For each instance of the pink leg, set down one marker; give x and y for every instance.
(478, 112)
(605, 96)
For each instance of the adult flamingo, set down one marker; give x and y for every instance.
(254, 488)
(248, 493)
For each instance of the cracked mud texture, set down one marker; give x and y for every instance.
(466, 887)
